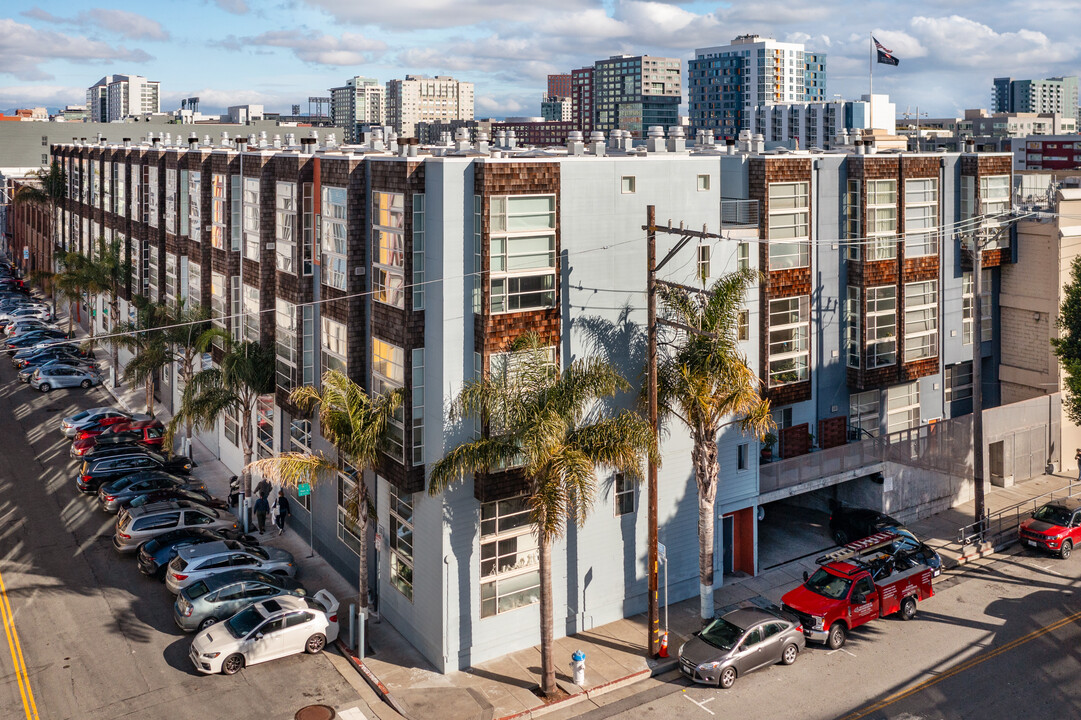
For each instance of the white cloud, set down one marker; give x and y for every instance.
(236, 7)
(314, 47)
(41, 95)
(23, 49)
(413, 14)
(962, 42)
(118, 22)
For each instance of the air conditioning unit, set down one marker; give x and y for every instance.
(270, 246)
(358, 270)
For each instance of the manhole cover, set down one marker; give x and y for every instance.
(316, 712)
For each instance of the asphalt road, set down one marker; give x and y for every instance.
(93, 638)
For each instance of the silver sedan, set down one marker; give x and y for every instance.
(61, 376)
(740, 642)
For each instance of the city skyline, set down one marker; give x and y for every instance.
(231, 52)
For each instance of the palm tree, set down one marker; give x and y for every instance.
(544, 422)
(358, 426)
(246, 372)
(188, 334)
(148, 345)
(108, 272)
(706, 383)
(52, 191)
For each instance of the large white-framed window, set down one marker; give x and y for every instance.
(251, 313)
(264, 426)
(286, 340)
(852, 327)
(152, 260)
(171, 288)
(170, 200)
(231, 423)
(235, 308)
(388, 374)
(881, 219)
(967, 317)
(95, 183)
(307, 239)
(334, 345)
(921, 217)
(623, 493)
(300, 441)
(121, 189)
(522, 249)
(107, 187)
(789, 226)
(348, 502)
(789, 340)
(704, 253)
(251, 218)
(478, 253)
(217, 209)
(150, 211)
(853, 222)
(864, 410)
(417, 393)
(236, 202)
(418, 251)
(285, 226)
(902, 407)
(881, 326)
(401, 541)
(388, 248)
(509, 557)
(958, 381)
(307, 345)
(195, 284)
(921, 320)
(183, 213)
(218, 304)
(995, 198)
(334, 237)
(136, 192)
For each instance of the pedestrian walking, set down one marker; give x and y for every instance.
(1077, 459)
(262, 507)
(263, 489)
(283, 511)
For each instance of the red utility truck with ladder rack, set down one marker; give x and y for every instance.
(862, 581)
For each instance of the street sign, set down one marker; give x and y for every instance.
(661, 553)
(26, 253)
(304, 489)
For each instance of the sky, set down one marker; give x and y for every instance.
(280, 52)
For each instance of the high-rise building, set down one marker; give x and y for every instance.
(726, 82)
(116, 97)
(359, 103)
(823, 124)
(1053, 95)
(634, 93)
(424, 99)
(557, 108)
(582, 99)
(559, 85)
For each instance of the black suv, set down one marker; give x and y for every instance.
(96, 472)
(848, 524)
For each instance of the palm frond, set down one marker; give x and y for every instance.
(293, 468)
(480, 455)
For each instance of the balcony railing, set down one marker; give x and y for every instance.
(739, 213)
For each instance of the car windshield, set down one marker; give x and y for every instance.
(1053, 514)
(721, 634)
(828, 584)
(244, 622)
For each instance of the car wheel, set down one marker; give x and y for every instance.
(840, 537)
(837, 636)
(315, 644)
(908, 608)
(232, 664)
(85, 384)
(727, 678)
(1067, 548)
(44, 387)
(207, 623)
(788, 655)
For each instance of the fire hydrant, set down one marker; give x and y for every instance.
(579, 665)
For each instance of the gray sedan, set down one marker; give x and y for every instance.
(46, 379)
(217, 597)
(196, 562)
(738, 643)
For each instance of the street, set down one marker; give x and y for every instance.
(97, 638)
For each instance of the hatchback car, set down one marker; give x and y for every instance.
(216, 597)
(180, 493)
(266, 630)
(200, 561)
(147, 433)
(18, 326)
(95, 473)
(155, 555)
(738, 643)
(72, 423)
(115, 495)
(1055, 527)
(147, 522)
(63, 376)
(27, 372)
(32, 338)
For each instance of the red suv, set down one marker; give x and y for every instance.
(1055, 527)
(148, 433)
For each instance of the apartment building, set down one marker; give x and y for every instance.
(822, 124)
(1047, 152)
(557, 108)
(424, 99)
(725, 83)
(1053, 95)
(417, 267)
(358, 104)
(116, 97)
(559, 85)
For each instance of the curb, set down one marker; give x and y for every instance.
(370, 678)
(589, 694)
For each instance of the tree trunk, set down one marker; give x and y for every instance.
(245, 473)
(548, 670)
(149, 394)
(114, 309)
(704, 457)
(90, 304)
(186, 372)
(362, 568)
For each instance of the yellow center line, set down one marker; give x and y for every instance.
(21, 674)
(970, 663)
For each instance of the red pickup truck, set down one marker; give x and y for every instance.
(862, 581)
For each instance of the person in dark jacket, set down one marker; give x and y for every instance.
(262, 507)
(283, 512)
(263, 488)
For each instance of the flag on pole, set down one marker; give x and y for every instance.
(885, 56)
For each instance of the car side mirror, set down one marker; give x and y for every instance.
(258, 636)
(742, 648)
(806, 577)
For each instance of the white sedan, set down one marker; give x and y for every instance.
(273, 628)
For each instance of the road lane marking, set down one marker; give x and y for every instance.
(841, 650)
(23, 677)
(966, 665)
(702, 704)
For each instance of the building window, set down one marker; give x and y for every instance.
(307, 345)
(522, 248)
(106, 184)
(703, 262)
(967, 311)
(251, 218)
(863, 413)
(183, 213)
(881, 326)
(334, 241)
(195, 284)
(743, 256)
(703, 183)
(388, 374)
(152, 259)
(959, 381)
(852, 220)
(285, 340)
(418, 252)
(235, 204)
(509, 557)
(235, 308)
(789, 245)
(401, 541)
(308, 238)
(743, 452)
(121, 195)
(150, 208)
(921, 217)
(264, 426)
(171, 289)
(852, 327)
(627, 183)
(334, 345)
(348, 504)
(478, 248)
(218, 310)
(300, 441)
(417, 368)
(623, 489)
(170, 201)
(388, 251)
(232, 426)
(921, 320)
(881, 219)
(789, 341)
(285, 224)
(902, 407)
(136, 192)
(743, 325)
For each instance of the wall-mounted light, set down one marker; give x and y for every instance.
(1036, 316)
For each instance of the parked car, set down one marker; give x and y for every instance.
(26, 310)
(196, 562)
(196, 496)
(117, 494)
(155, 555)
(96, 472)
(738, 643)
(39, 357)
(216, 597)
(72, 423)
(147, 522)
(1055, 527)
(17, 326)
(27, 372)
(68, 348)
(101, 425)
(32, 338)
(266, 630)
(63, 376)
(851, 523)
(148, 433)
